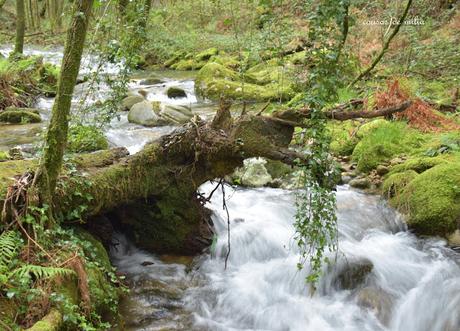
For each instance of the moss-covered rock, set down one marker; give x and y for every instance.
(215, 81)
(343, 139)
(19, 117)
(387, 140)
(227, 61)
(395, 183)
(419, 164)
(176, 92)
(206, 54)
(432, 200)
(188, 64)
(103, 294)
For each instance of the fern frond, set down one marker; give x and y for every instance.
(40, 272)
(9, 247)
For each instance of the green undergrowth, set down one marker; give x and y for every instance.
(74, 275)
(384, 142)
(86, 139)
(23, 78)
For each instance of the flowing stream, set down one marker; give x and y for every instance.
(382, 278)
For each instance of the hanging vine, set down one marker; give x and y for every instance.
(315, 219)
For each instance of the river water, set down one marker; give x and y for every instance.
(382, 278)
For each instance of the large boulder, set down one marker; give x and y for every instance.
(156, 114)
(146, 113)
(352, 274)
(253, 173)
(376, 299)
(432, 200)
(175, 114)
(130, 101)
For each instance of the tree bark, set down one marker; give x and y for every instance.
(20, 27)
(56, 137)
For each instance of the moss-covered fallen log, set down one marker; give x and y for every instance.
(166, 173)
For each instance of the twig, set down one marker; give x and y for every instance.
(263, 108)
(385, 46)
(224, 206)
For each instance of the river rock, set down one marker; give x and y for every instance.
(382, 170)
(146, 113)
(176, 92)
(353, 274)
(20, 116)
(174, 114)
(361, 183)
(130, 101)
(254, 173)
(377, 300)
(152, 80)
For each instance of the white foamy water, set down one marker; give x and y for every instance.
(411, 284)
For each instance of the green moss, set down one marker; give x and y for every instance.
(384, 142)
(227, 61)
(86, 139)
(51, 322)
(215, 81)
(264, 73)
(4, 156)
(9, 169)
(188, 64)
(343, 139)
(206, 54)
(419, 164)
(432, 200)
(395, 183)
(19, 117)
(173, 59)
(370, 126)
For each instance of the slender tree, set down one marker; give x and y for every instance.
(20, 27)
(56, 138)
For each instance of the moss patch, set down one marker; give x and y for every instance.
(51, 322)
(215, 81)
(343, 137)
(384, 142)
(395, 183)
(432, 200)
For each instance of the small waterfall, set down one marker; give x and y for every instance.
(382, 279)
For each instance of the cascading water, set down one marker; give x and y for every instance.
(382, 278)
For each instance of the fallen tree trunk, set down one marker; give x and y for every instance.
(167, 173)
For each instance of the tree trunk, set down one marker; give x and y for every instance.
(56, 137)
(20, 27)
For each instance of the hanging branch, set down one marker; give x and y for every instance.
(385, 46)
(224, 206)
